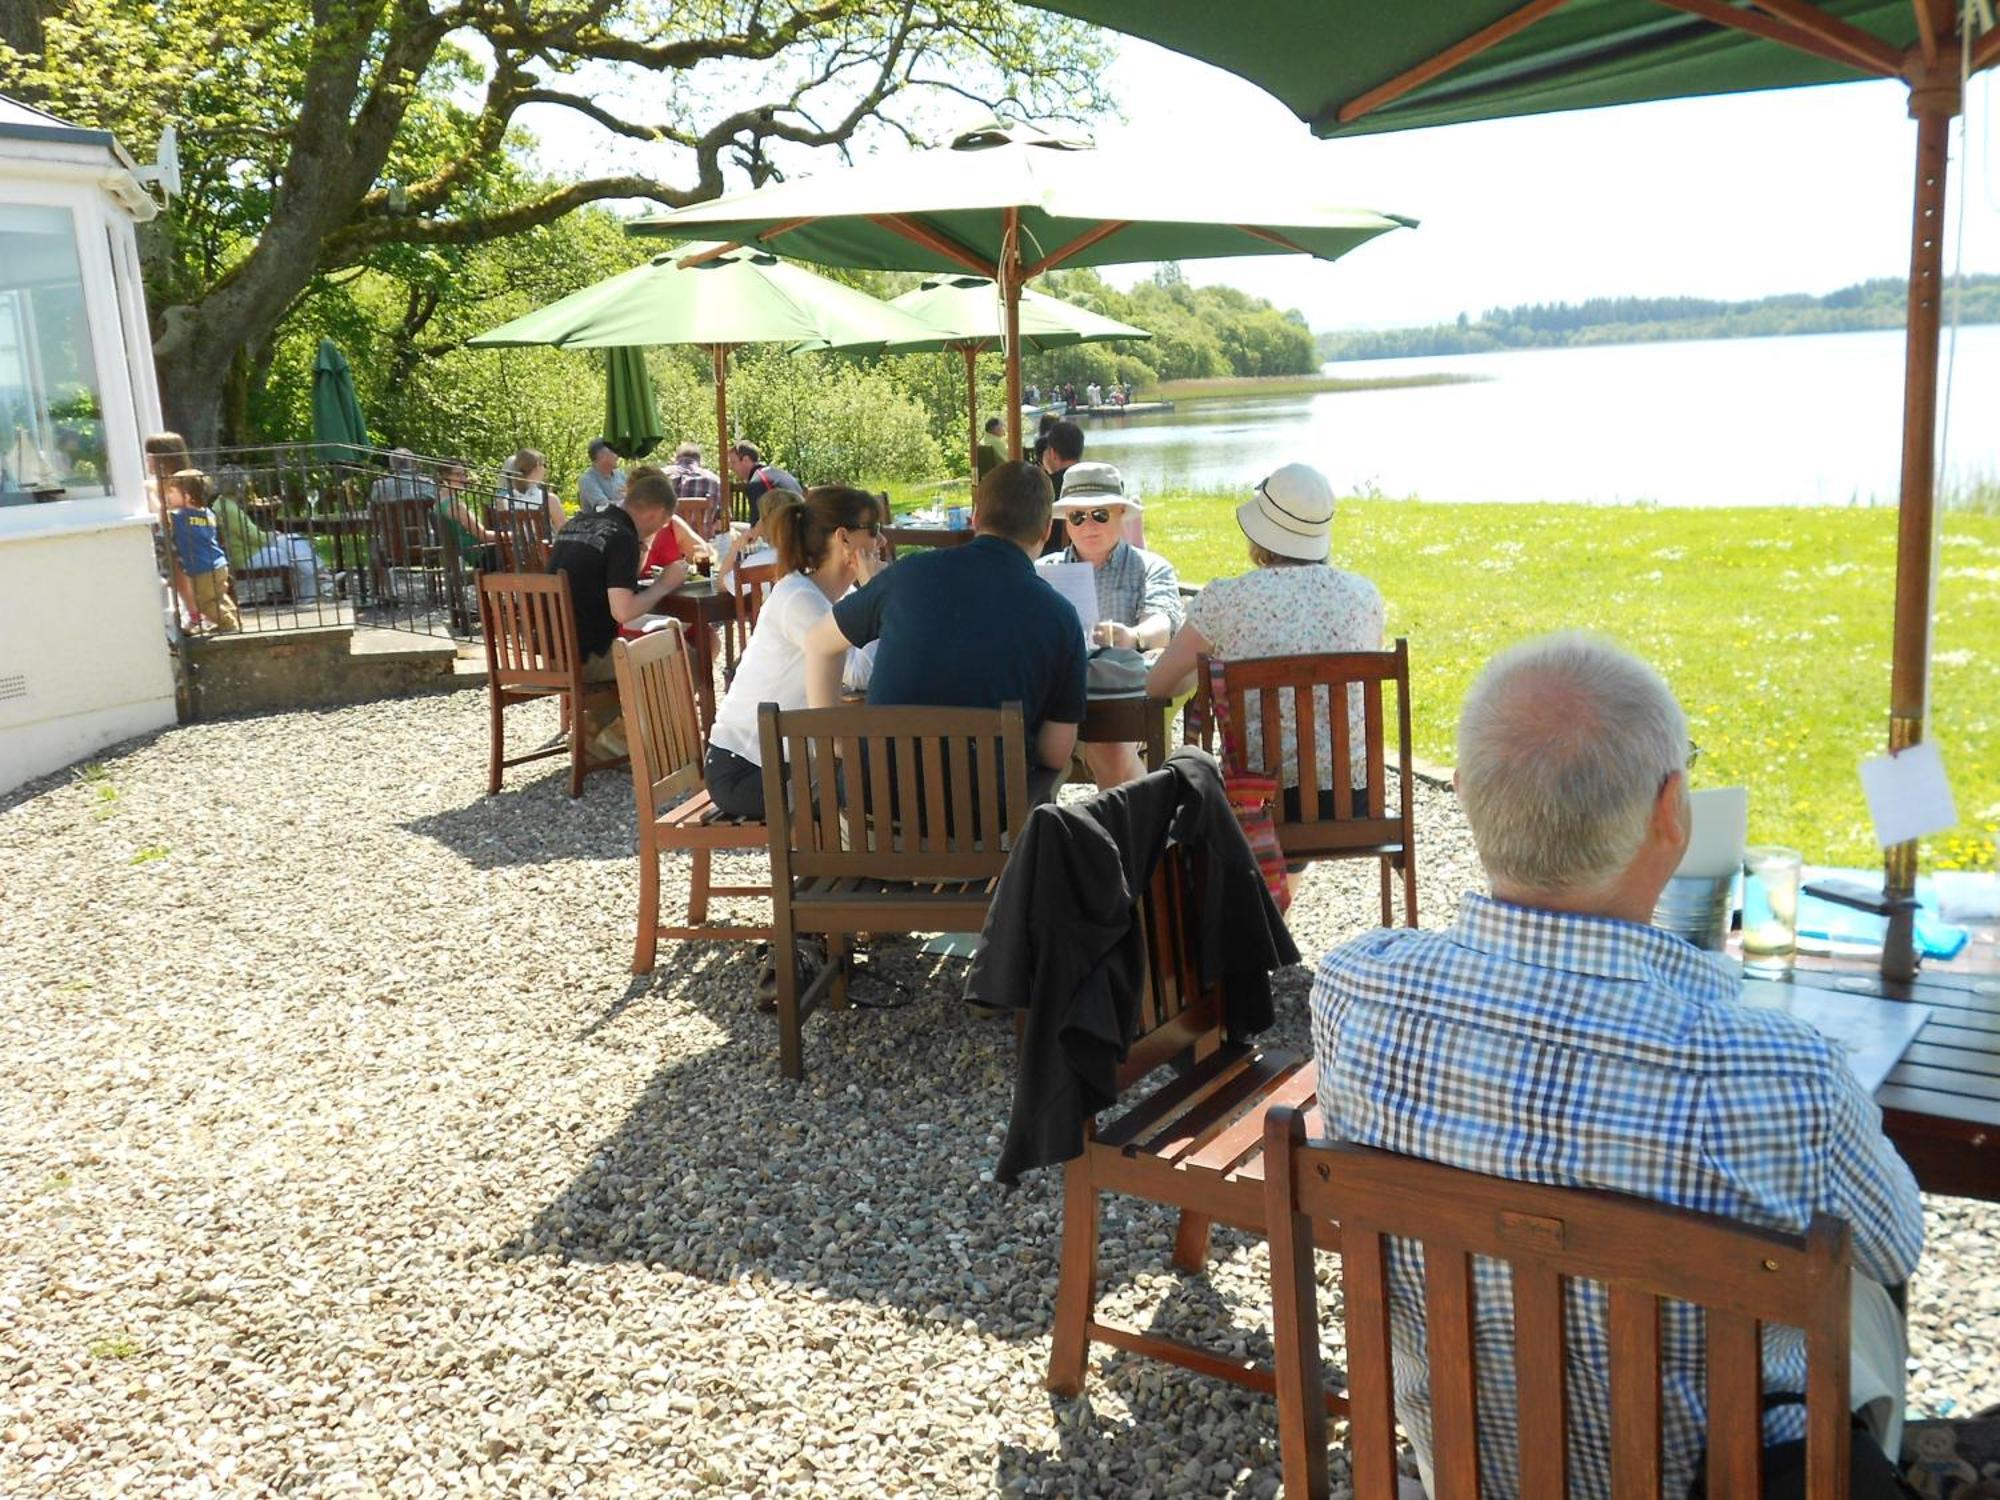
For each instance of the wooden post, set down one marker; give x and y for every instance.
(1010, 293)
(971, 353)
(1934, 99)
(720, 354)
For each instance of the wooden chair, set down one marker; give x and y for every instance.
(1640, 1250)
(663, 731)
(406, 546)
(702, 512)
(752, 585)
(1195, 1143)
(905, 829)
(529, 623)
(1375, 831)
(522, 537)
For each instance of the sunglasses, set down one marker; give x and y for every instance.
(1100, 514)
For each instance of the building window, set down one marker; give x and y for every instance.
(52, 442)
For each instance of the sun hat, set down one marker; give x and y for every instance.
(1290, 514)
(1093, 484)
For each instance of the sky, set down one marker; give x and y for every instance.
(1733, 197)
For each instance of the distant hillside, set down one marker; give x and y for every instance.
(1638, 320)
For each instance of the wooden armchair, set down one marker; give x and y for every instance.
(663, 732)
(529, 622)
(1195, 1143)
(882, 820)
(1639, 1250)
(1318, 822)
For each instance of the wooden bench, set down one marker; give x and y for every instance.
(663, 733)
(1640, 1250)
(882, 820)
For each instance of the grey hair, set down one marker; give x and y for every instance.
(1562, 746)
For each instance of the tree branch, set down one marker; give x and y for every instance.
(356, 239)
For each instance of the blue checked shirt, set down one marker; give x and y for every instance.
(1590, 1052)
(1132, 585)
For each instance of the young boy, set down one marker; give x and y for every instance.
(204, 564)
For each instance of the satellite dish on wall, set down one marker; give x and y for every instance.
(165, 172)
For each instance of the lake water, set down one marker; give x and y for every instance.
(1781, 421)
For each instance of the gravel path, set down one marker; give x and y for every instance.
(339, 1154)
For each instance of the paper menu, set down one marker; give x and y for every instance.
(1076, 582)
(1721, 817)
(1874, 1034)
(1908, 795)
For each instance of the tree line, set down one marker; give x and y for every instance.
(1880, 303)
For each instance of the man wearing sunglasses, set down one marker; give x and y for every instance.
(1138, 592)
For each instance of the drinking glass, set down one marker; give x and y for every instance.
(1770, 911)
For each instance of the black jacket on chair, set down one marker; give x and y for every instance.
(1063, 943)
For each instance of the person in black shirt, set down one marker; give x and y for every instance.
(971, 626)
(597, 553)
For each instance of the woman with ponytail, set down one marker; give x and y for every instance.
(826, 544)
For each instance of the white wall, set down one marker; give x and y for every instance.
(83, 649)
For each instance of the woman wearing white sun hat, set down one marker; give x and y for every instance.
(1292, 603)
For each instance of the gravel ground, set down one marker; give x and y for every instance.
(340, 1154)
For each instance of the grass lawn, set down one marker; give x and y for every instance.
(1772, 625)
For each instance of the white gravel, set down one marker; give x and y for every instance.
(340, 1155)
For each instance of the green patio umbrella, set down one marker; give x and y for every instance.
(1009, 204)
(715, 297)
(337, 424)
(1352, 66)
(631, 415)
(969, 310)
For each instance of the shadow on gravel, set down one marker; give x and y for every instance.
(864, 1182)
(535, 822)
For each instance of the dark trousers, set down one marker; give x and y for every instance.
(735, 785)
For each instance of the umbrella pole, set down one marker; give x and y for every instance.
(1010, 293)
(1933, 101)
(971, 352)
(719, 353)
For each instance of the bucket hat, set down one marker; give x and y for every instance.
(1290, 513)
(1093, 484)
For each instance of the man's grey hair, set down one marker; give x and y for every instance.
(1563, 744)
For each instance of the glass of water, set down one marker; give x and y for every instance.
(1770, 911)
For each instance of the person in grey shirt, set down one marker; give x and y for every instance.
(603, 483)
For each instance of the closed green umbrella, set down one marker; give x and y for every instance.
(1351, 66)
(716, 297)
(337, 424)
(969, 309)
(631, 415)
(1010, 204)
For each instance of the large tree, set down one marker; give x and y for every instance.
(337, 134)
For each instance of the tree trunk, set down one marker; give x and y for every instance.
(21, 29)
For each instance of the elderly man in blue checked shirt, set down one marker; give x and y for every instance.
(1552, 1036)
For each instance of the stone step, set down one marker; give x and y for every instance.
(315, 667)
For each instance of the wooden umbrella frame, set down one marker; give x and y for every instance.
(1931, 68)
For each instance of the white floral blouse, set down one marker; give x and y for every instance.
(1294, 611)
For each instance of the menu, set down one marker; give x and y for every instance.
(1076, 582)
(1873, 1033)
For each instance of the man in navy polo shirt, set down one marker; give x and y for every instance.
(969, 627)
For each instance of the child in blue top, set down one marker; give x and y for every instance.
(204, 581)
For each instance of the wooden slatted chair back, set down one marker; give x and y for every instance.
(924, 794)
(1288, 699)
(1175, 1011)
(523, 538)
(530, 626)
(700, 512)
(752, 583)
(662, 727)
(1640, 1251)
(405, 530)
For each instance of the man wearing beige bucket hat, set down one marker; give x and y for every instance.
(1138, 592)
(1293, 602)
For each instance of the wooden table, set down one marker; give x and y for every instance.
(1941, 1105)
(1130, 718)
(702, 607)
(899, 537)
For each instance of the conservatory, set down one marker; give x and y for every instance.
(83, 644)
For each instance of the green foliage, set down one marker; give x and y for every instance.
(1772, 626)
(828, 420)
(1198, 333)
(1632, 320)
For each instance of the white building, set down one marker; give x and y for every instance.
(83, 651)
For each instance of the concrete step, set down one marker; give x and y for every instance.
(314, 667)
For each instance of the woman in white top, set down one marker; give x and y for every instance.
(824, 544)
(1292, 603)
(523, 486)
